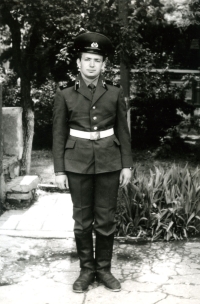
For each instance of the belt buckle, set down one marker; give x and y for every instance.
(94, 135)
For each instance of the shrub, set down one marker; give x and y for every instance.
(43, 100)
(154, 106)
(165, 205)
(11, 89)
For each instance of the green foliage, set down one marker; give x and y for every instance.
(182, 13)
(172, 144)
(154, 106)
(11, 89)
(48, 28)
(45, 27)
(43, 98)
(43, 103)
(171, 25)
(42, 34)
(165, 205)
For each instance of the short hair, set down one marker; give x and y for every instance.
(80, 55)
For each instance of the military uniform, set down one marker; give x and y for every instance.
(76, 108)
(92, 164)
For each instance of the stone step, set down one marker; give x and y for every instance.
(20, 191)
(22, 184)
(52, 188)
(19, 196)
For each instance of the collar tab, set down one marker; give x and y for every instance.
(77, 85)
(104, 84)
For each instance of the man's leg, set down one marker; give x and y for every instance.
(106, 191)
(81, 188)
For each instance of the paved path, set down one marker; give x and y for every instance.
(49, 216)
(38, 262)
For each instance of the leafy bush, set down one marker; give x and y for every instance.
(11, 89)
(43, 99)
(154, 106)
(165, 205)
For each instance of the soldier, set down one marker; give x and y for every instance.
(92, 155)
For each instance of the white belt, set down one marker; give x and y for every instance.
(92, 135)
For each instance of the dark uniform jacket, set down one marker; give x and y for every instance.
(76, 108)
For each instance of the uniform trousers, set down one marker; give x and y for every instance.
(94, 198)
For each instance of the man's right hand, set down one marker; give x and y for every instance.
(62, 181)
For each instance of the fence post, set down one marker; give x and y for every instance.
(1, 149)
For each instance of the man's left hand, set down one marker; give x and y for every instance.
(125, 177)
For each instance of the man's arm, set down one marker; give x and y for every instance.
(61, 180)
(125, 177)
(122, 131)
(123, 135)
(60, 131)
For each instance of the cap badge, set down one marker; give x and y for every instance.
(94, 45)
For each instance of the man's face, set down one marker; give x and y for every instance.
(90, 65)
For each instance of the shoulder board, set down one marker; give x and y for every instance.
(64, 84)
(112, 83)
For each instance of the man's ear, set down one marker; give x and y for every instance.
(103, 67)
(78, 63)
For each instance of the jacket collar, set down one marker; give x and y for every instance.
(83, 89)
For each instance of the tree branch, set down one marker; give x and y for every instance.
(14, 26)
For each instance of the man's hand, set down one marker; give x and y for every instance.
(125, 177)
(62, 181)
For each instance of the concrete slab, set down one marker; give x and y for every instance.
(37, 234)
(23, 183)
(185, 279)
(40, 291)
(176, 300)
(12, 213)
(183, 290)
(153, 278)
(49, 216)
(101, 295)
(60, 225)
(11, 223)
(25, 224)
(13, 136)
(41, 265)
(19, 196)
(130, 285)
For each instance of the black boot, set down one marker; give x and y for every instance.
(84, 245)
(103, 256)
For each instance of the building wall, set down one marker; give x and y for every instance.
(12, 138)
(12, 131)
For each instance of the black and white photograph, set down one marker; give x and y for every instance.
(99, 151)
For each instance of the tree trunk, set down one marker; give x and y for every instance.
(21, 62)
(28, 141)
(28, 125)
(124, 70)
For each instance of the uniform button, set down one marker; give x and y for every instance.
(95, 128)
(94, 107)
(94, 117)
